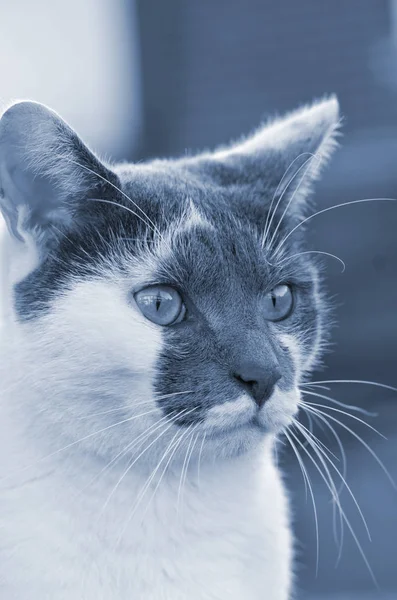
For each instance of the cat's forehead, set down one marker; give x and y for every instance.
(166, 189)
(204, 236)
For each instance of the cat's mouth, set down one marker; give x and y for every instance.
(244, 415)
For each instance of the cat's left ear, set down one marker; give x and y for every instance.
(46, 173)
(284, 157)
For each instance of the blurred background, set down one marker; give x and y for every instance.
(158, 77)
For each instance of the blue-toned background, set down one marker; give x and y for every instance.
(157, 77)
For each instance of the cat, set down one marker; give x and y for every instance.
(157, 320)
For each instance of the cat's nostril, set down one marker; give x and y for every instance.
(258, 381)
(248, 382)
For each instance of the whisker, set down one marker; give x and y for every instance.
(130, 466)
(149, 221)
(340, 508)
(338, 402)
(184, 466)
(132, 212)
(86, 437)
(172, 451)
(307, 483)
(199, 458)
(324, 210)
(189, 459)
(69, 240)
(150, 479)
(344, 472)
(308, 161)
(354, 434)
(342, 412)
(114, 410)
(322, 387)
(322, 421)
(314, 437)
(335, 501)
(267, 223)
(135, 442)
(134, 404)
(358, 381)
(312, 252)
(315, 446)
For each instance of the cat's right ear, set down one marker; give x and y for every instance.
(46, 173)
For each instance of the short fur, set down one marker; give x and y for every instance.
(133, 463)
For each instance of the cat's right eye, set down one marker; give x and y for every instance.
(278, 303)
(161, 304)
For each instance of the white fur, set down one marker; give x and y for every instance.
(224, 534)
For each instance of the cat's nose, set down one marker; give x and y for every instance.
(259, 380)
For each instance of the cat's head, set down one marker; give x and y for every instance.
(158, 302)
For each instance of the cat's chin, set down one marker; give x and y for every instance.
(234, 441)
(243, 421)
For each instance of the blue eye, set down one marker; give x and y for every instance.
(278, 303)
(161, 304)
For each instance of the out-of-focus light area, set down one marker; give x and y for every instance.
(79, 58)
(162, 77)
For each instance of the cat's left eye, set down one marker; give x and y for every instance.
(161, 304)
(278, 303)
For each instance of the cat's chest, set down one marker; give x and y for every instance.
(212, 543)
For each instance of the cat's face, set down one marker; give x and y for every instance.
(158, 303)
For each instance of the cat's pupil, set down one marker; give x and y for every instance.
(158, 302)
(274, 300)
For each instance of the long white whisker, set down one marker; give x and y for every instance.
(134, 404)
(340, 508)
(314, 437)
(135, 442)
(115, 410)
(86, 437)
(199, 458)
(150, 478)
(315, 446)
(324, 210)
(189, 458)
(322, 387)
(342, 404)
(115, 187)
(309, 160)
(132, 212)
(344, 472)
(311, 434)
(354, 434)
(334, 495)
(324, 421)
(358, 381)
(267, 223)
(342, 412)
(131, 465)
(307, 483)
(184, 466)
(280, 262)
(171, 449)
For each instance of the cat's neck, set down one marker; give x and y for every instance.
(122, 497)
(114, 502)
(164, 534)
